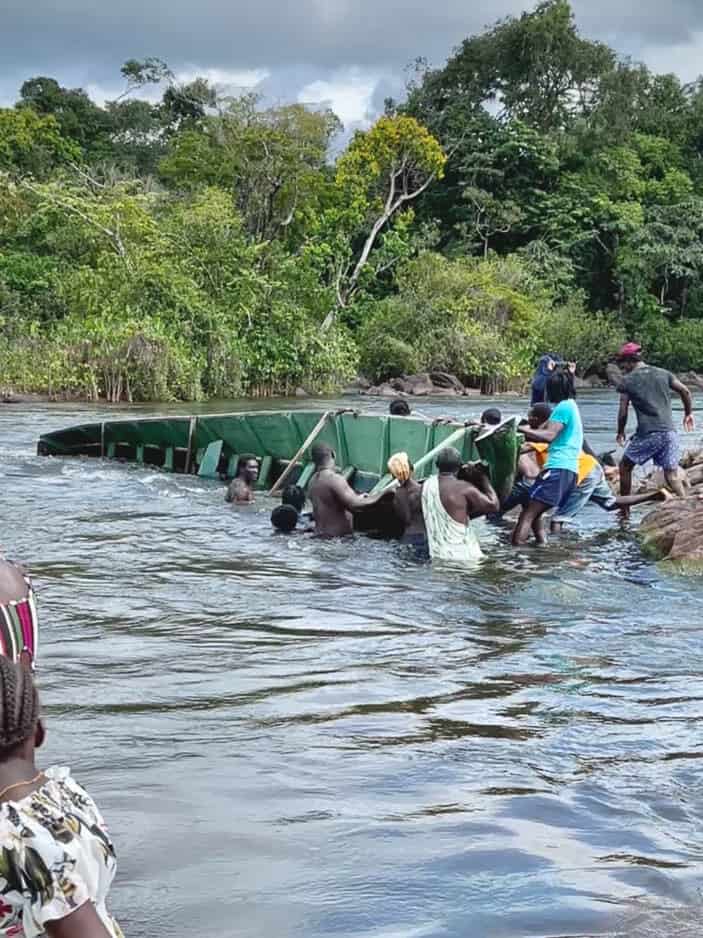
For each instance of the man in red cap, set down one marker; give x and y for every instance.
(649, 389)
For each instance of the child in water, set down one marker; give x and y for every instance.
(289, 516)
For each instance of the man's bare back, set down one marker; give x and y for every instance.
(333, 499)
(463, 500)
(329, 496)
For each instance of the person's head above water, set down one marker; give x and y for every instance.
(322, 456)
(399, 408)
(560, 387)
(449, 461)
(492, 416)
(284, 518)
(21, 730)
(248, 468)
(293, 495)
(629, 356)
(538, 415)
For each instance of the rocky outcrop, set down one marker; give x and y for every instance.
(613, 374)
(425, 384)
(674, 530)
(692, 380)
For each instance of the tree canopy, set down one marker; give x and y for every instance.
(538, 190)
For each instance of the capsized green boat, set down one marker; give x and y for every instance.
(211, 446)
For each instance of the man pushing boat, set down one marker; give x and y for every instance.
(333, 499)
(449, 504)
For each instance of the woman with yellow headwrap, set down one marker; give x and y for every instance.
(408, 503)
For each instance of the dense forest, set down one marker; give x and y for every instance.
(536, 193)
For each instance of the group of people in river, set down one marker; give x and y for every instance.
(56, 858)
(558, 474)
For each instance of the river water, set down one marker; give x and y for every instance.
(297, 738)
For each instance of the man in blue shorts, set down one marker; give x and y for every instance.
(649, 389)
(563, 434)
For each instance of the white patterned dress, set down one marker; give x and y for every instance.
(55, 855)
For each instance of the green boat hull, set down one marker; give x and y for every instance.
(211, 446)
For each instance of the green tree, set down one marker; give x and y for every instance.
(381, 173)
(32, 144)
(270, 160)
(536, 67)
(78, 118)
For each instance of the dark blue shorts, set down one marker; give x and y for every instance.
(419, 544)
(553, 487)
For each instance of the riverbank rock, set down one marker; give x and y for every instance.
(382, 390)
(436, 384)
(613, 374)
(692, 380)
(674, 530)
(357, 386)
(440, 379)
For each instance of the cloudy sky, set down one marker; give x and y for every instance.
(348, 53)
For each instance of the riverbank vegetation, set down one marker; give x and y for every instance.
(536, 193)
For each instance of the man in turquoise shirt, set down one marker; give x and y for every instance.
(564, 435)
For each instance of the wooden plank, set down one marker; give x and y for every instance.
(233, 465)
(264, 472)
(425, 461)
(306, 475)
(311, 437)
(207, 466)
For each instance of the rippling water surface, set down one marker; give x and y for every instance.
(296, 738)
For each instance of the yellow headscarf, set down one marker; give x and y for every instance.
(399, 467)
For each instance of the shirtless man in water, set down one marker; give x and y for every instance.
(241, 488)
(449, 503)
(333, 499)
(466, 497)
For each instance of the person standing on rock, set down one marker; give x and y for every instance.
(649, 389)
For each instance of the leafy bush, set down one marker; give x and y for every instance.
(678, 347)
(477, 319)
(590, 339)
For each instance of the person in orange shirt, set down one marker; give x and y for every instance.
(591, 483)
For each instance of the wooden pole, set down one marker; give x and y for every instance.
(388, 481)
(191, 432)
(291, 465)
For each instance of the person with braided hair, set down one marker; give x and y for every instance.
(56, 859)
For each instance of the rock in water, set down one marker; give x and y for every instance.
(441, 379)
(613, 374)
(674, 530)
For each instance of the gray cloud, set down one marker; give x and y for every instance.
(295, 43)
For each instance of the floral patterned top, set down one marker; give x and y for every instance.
(55, 855)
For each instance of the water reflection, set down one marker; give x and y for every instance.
(311, 739)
